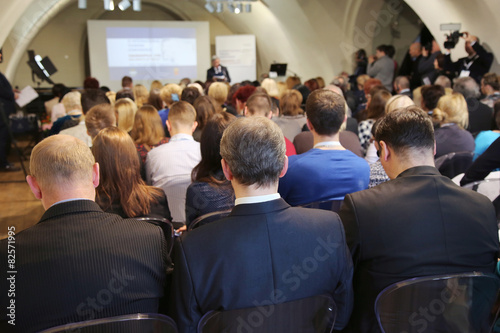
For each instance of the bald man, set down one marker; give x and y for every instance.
(78, 263)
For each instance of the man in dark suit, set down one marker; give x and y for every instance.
(78, 263)
(419, 223)
(264, 252)
(475, 65)
(217, 72)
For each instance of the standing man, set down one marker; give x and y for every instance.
(264, 252)
(381, 67)
(418, 224)
(217, 72)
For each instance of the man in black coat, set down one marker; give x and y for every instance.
(218, 72)
(8, 105)
(264, 252)
(418, 224)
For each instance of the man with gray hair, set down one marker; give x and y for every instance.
(264, 252)
(480, 115)
(217, 72)
(79, 263)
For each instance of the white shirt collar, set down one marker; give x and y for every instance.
(257, 199)
(181, 137)
(68, 200)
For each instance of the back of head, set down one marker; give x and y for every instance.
(397, 102)
(379, 99)
(125, 110)
(90, 83)
(466, 86)
(125, 93)
(58, 90)
(148, 128)
(402, 82)
(290, 103)
(62, 161)
(292, 81)
(452, 109)
(271, 87)
(141, 94)
(92, 97)
(491, 79)
(205, 107)
(312, 84)
(209, 169)
(99, 117)
(370, 83)
(182, 114)
(171, 93)
(254, 149)
(156, 84)
(190, 94)
(126, 82)
(218, 91)
(243, 93)
(443, 81)
(321, 82)
(326, 111)
(197, 86)
(259, 105)
(407, 130)
(155, 99)
(431, 95)
(72, 101)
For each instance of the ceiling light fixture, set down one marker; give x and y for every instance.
(209, 7)
(124, 4)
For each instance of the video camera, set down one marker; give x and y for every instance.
(452, 39)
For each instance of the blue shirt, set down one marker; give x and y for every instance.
(483, 140)
(319, 175)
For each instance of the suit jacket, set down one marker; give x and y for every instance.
(480, 116)
(79, 263)
(224, 71)
(418, 224)
(382, 69)
(479, 67)
(261, 253)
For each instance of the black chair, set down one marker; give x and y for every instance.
(207, 218)
(307, 315)
(333, 205)
(467, 302)
(453, 164)
(165, 225)
(132, 323)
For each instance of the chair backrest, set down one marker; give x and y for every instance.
(207, 218)
(490, 187)
(165, 225)
(467, 302)
(333, 205)
(307, 315)
(131, 323)
(452, 164)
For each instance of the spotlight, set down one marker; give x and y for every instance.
(238, 8)
(248, 8)
(124, 4)
(209, 7)
(136, 5)
(82, 4)
(109, 5)
(220, 7)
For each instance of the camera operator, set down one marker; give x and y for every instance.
(475, 65)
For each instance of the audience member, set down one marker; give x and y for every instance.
(292, 118)
(443, 81)
(147, 132)
(205, 107)
(481, 116)
(490, 87)
(190, 94)
(74, 107)
(485, 138)
(240, 98)
(169, 166)
(156, 84)
(90, 83)
(486, 163)
(218, 91)
(427, 69)
(99, 117)
(402, 86)
(125, 93)
(7, 107)
(321, 82)
(121, 190)
(397, 230)
(141, 95)
(430, 97)
(410, 66)
(127, 83)
(58, 91)
(82, 262)
(155, 100)
(375, 110)
(381, 67)
(328, 171)
(125, 110)
(475, 65)
(254, 252)
(292, 81)
(210, 191)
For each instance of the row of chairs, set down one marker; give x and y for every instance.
(468, 302)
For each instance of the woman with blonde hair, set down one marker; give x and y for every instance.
(147, 132)
(156, 85)
(141, 95)
(169, 94)
(452, 115)
(121, 190)
(125, 110)
(219, 91)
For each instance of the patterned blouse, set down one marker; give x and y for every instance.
(144, 149)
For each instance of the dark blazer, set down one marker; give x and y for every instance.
(419, 224)
(79, 263)
(261, 253)
(480, 116)
(480, 66)
(211, 74)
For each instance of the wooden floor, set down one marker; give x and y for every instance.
(18, 206)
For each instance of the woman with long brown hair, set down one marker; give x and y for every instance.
(210, 190)
(122, 190)
(147, 132)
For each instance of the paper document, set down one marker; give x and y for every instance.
(26, 95)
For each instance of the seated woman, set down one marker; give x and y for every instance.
(205, 107)
(147, 132)
(292, 118)
(485, 138)
(121, 190)
(453, 116)
(374, 111)
(210, 190)
(125, 110)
